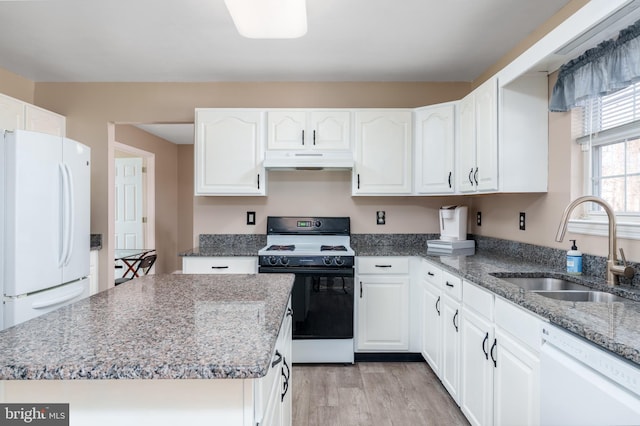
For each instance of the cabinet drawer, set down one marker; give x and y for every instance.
(219, 265)
(521, 324)
(477, 299)
(452, 285)
(383, 265)
(431, 273)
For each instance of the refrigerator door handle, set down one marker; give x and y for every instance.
(67, 215)
(63, 215)
(70, 214)
(57, 300)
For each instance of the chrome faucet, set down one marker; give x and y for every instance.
(614, 271)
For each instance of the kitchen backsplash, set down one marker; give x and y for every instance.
(555, 258)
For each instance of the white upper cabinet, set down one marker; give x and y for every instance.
(477, 151)
(435, 149)
(43, 121)
(382, 152)
(229, 152)
(309, 129)
(524, 140)
(18, 115)
(11, 113)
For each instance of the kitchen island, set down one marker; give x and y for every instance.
(159, 349)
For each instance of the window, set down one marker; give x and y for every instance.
(610, 129)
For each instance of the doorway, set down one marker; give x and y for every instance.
(134, 200)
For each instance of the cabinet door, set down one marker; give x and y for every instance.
(43, 121)
(11, 113)
(228, 153)
(432, 326)
(434, 145)
(516, 383)
(286, 130)
(451, 347)
(486, 112)
(383, 152)
(466, 145)
(383, 314)
(329, 130)
(476, 383)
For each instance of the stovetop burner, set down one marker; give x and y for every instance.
(332, 248)
(281, 247)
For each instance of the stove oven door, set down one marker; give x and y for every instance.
(322, 300)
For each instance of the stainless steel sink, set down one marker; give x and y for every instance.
(582, 296)
(544, 283)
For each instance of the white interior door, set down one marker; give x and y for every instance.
(129, 204)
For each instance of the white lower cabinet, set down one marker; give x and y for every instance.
(382, 304)
(516, 378)
(273, 394)
(450, 367)
(431, 316)
(477, 355)
(500, 371)
(219, 265)
(441, 344)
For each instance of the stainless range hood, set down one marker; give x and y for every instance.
(308, 160)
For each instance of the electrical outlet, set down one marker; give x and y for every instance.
(479, 218)
(522, 221)
(251, 218)
(380, 217)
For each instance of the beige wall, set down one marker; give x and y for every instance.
(166, 192)
(16, 86)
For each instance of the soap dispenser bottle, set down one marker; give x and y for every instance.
(574, 260)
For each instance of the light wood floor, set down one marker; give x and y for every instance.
(372, 394)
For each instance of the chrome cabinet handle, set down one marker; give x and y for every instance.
(360, 289)
(431, 274)
(471, 174)
(449, 179)
(383, 266)
(454, 320)
(438, 306)
(314, 137)
(475, 176)
(219, 267)
(303, 137)
(258, 180)
(448, 284)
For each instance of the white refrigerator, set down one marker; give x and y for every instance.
(45, 217)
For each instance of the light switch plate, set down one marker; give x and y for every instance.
(521, 220)
(380, 217)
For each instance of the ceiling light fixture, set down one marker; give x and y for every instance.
(269, 18)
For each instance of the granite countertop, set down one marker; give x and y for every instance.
(155, 327)
(613, 326)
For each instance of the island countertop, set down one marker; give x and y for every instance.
(155, 327)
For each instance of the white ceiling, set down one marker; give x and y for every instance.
(196, 41)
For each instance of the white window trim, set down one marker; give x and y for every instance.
(624, 229)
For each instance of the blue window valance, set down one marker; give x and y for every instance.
(609, 67)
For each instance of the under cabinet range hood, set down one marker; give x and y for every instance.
(308, 160)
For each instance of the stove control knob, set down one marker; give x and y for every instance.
(272, 260)
(327, 260)
(339, 261)
(318, 224)
(284, 260)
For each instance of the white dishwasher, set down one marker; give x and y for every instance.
(581, 384)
